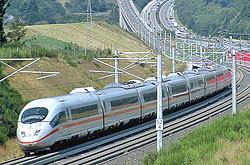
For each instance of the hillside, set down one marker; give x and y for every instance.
(105, 36)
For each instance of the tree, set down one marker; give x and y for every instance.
(4, 4)
(17, 30)
(32, 12)
(208, 17)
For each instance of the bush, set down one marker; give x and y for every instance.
(11, 103)
(3, 134)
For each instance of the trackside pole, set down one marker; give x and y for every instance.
(233, 83)
(116, 67)
(173, 55)
(159, 120)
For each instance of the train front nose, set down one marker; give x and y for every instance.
(28, 136)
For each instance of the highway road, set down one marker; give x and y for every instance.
(146, 26)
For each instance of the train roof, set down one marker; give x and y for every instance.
(81, 93)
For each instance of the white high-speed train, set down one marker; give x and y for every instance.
(49, 121)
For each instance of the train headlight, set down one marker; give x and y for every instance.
(23, 134)
(37, 132)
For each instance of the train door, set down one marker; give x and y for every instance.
(59, 121)
(65, 119)
(107, 111)
(202, 85)
(85, 115)
(190, 86)
(165, 100)
(68, 118)
(102, 109)
(168, 95)
(140, 99)
(191, 89)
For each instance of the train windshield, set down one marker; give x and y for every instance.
(34, 115)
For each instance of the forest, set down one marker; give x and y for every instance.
(215, 17)
(52, 12)
(140, 4)
(204, 17)
(11, 103)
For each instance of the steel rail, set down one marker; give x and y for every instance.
(147, 137)
(118, 145)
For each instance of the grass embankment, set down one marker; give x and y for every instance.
(225, 141)
(59, 36)
(10, 150)
(104, 35)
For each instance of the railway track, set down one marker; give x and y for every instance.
(110, 146)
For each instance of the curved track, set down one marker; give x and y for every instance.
(110, 146)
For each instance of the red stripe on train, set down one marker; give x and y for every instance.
(41, 138)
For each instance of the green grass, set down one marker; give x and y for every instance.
(48, 42)
(225, 141)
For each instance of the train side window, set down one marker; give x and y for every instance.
(152, 96)
(179, 89)
(200, 83)
(58, 119)
(210, 79)
(124, 102)
(228, 74)
(220, 77)
(84, 111)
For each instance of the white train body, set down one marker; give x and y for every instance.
(46, 121)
